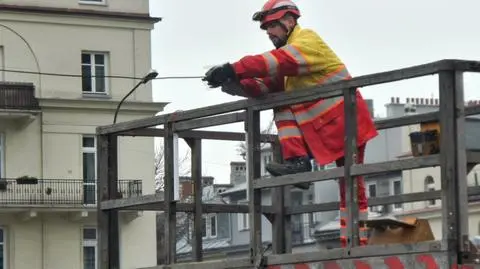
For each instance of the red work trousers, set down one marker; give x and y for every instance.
(362, 202)
(293, 145)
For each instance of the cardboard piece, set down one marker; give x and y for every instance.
(403, 231)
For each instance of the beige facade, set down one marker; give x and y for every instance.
(47, 127)
(429, 179)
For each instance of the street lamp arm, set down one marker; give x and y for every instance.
(123, 99)
(151, 75)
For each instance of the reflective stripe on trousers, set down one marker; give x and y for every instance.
(290, 136)
(362, 229)
(361, 198)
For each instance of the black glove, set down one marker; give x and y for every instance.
(220, 74)
(233, 88)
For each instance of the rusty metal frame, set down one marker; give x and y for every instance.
(453, 160)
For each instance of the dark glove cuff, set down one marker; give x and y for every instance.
(229, 71)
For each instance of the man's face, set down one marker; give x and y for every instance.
(277, 32)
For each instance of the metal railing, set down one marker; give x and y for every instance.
(19, 96)
(452, 250)
(31, 192)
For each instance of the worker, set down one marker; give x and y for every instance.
(313, 129)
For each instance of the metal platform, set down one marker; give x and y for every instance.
(455, 159)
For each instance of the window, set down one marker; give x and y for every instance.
(372, 192)
(94, 70)
(209, 226)
(430, 186)
(397, 190)
(243, 218)
(89, 248)
(243, 221)
(89, 169)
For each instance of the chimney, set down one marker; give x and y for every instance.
(410, 107)
(238, 172)
(392, 100)
(398, 100)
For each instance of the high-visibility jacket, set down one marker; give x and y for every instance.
(306, 61)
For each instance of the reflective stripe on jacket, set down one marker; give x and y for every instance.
(307, 61)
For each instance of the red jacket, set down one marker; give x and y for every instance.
(304, 62)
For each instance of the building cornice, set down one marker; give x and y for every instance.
(142, 17)
(435, 212)
(107, 105)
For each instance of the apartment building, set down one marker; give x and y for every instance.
(64, 66)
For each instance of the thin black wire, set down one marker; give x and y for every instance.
(91, 76)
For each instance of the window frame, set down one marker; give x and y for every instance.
(243, 219)
(106, 65)
(208, 230)
(89, 150)
(398, 206)
(4, 242)
(368, 184)
(89, 243)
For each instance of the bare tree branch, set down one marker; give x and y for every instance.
(242, 147)
(159, 164)
(183, 220)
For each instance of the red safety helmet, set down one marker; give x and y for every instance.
(274, 10)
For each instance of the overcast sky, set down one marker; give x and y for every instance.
(369, 36)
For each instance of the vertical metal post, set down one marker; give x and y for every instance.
(352, 223)
(254, 202)
(196, 148)
(287, 201)
(453, 166)
(278, 197)
(170, 204)
(107, 189)
(176, 177)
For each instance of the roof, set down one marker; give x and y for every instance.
(184, 247)
(335, 224)
(80, 12)
(237, 188)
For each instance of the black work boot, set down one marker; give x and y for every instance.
(291, 166)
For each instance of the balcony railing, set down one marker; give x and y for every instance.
(18, 96)
(58, 192)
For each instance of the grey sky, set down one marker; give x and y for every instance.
(369, 36)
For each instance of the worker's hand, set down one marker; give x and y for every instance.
(219, 74)
(233, 88)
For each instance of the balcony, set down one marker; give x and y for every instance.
(18, 103)
(31, 195)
